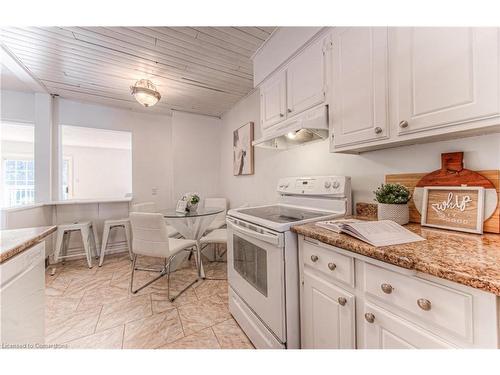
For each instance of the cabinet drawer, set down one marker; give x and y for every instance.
(330, 263)
(435, 306)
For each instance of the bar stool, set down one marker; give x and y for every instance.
(111, 224)
(87, 230)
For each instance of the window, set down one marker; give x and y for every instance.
(96, 163)
(19, 178)
(18, 165)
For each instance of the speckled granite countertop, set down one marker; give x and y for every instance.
(468, 259)
(15, 241)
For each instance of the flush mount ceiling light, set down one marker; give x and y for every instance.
(145, 92)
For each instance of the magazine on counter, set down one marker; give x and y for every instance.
(376, 233)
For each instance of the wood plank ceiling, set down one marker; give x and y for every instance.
(203, 70)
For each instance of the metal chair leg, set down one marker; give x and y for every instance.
(164, 271)
(134, 262)
(132, 274)
(172, 299)
(216, 261)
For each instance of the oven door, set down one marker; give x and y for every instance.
(256, 272)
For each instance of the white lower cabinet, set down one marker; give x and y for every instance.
(328, 314)
(352, 301)
(380, 329)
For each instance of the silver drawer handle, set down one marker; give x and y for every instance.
(378, 130)
(370, 318)
(403, 124)
(314, 258)
(342, 301)
(386, 288)
(424, 304)
(332, 266)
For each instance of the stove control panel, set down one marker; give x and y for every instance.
(317, 185)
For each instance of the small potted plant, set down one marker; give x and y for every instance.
(192, 201)
(393, 203)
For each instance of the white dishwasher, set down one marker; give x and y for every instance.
(22, 299)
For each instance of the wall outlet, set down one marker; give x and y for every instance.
(154, 191)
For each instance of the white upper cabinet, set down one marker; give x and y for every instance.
(443, 76)
(273, 100)
(359, 93)
(297, 87)
(306, 79)
(401, 85)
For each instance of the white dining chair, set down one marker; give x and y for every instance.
(150, 238)
(150, 207)
(219, 220)
(216, 237)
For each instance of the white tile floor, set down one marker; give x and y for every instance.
(93, 308)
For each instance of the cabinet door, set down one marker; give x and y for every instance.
(359, 85)
(273, 101)
(306, 79)
(443, 76)
(327, 315)
(388, 331)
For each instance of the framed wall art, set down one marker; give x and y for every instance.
(454, 207)
(243, 150)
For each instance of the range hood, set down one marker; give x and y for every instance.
(309, 126)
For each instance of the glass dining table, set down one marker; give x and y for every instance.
(192, 225)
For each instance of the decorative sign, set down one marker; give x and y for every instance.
(181, 206)
(454, 207)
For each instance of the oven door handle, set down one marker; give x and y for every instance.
(269, 238)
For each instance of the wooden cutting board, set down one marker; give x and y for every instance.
(490, 179)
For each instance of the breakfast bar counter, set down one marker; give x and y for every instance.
(468, 259)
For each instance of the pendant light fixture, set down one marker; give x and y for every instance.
(145, 92)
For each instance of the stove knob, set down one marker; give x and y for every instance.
(328, 184)
(335, 184)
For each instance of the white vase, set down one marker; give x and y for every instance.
(192, 207)
(399, 213)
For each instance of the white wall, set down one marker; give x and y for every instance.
(196, 154)
(17, 106)
(367, 170)
(100, 172)
(151, 144)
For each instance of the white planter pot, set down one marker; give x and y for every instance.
(192, 207)
(395, 212)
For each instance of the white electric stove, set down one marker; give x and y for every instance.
(263, 269)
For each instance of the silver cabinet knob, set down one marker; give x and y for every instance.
(378, 130)
(403, 124)
(342, 301)
(386, 288)
(289, 110)
(370, 318)
(424, 304)
(282, 115)
(314, 258)
(332, 266)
